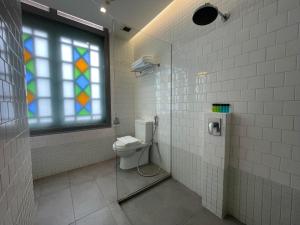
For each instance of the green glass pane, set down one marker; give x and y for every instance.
(30, 67)
(32, 87)
(29, 114)
(77, 73)
(25, 37)
(81, 51)
(77, 90)
(84, 112)
(87, 90)
(87, 74)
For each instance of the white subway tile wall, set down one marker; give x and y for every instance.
(123, 97)
(16, 189)
(214, 166)
(252, 62)
(152, 94)
(56, 153)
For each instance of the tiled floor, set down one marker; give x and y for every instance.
(86, 196)
(170, 203)
(129, 181)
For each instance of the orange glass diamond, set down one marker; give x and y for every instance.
(26, 55)
(83, 98)
(81, 65)
(30, 97)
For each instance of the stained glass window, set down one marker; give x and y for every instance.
(81, 80)
(66, 77)
(37, 74)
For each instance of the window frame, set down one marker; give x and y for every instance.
(52, 15)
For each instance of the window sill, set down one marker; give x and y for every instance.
(55, 131)
(72, 138)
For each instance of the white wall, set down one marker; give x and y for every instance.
(16, 190)
(253, 63)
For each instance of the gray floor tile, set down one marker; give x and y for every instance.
(101, 217)
(87, 198)
(129, 181)
(52, 184)
(55, 209)
(107, 185)
(205, 217)
(118, 214)
(170, 203)
(81, 175)
(167, 204)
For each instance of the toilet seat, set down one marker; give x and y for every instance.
(119, 146)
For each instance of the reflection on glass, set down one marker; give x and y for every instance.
(149, 161)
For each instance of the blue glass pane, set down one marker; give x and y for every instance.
(32, 107)
(88, 107)
(75, 55)
(28, 76)
(87, 57)
(78, 107)
(82, 82)
(29, 45)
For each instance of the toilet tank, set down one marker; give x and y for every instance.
(143, 130)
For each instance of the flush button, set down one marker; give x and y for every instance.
(214, 126)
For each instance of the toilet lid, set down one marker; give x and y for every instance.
(118, 145)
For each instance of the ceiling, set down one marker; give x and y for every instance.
(133, 13)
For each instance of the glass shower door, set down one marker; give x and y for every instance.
(142, 110)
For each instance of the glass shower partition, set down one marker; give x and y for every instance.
(142, 94)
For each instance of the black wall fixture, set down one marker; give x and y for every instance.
(207, 13)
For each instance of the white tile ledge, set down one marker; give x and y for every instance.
(70, 137)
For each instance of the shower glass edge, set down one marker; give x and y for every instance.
(141, 96)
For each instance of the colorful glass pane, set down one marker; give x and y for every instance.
(82, 87)
(37, 75)
(30, 75)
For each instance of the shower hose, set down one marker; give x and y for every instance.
(140, 172)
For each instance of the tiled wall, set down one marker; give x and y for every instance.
(52, 154)
(16, 191)
(252, 62)
(122, 85)
(214, 164)
(152, 94)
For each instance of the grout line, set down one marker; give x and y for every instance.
(69, 181)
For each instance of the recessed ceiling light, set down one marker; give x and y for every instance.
(103, 9)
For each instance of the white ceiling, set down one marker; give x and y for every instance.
(133, 13)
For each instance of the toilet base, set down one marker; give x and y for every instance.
(130, 162)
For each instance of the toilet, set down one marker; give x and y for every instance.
(129, 155)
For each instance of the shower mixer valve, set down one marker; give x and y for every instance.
(214, 127)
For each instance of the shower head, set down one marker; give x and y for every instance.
(207, 13)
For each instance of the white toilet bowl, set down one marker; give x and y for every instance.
(129, 155)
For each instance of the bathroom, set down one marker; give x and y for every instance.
(139, 112)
